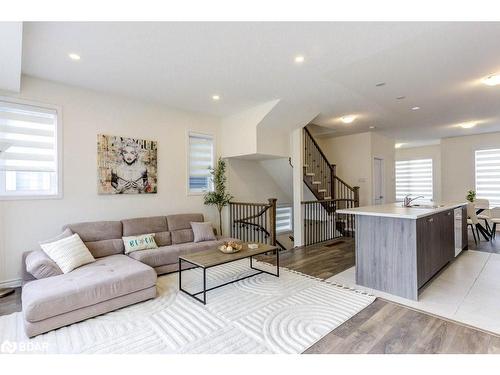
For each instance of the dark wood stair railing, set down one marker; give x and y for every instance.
(320, 176)
(321, 221)
(254, 222)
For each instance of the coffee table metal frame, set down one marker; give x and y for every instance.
(205, 290)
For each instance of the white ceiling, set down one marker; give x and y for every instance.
(435, 65)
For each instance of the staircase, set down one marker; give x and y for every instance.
(331, 192)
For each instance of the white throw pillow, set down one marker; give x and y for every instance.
(68, 253)
(142, 242)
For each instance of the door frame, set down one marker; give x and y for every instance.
(382, 180)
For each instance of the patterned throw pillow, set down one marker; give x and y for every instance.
(142, 242)
(68, 253)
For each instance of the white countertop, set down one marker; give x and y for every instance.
(398, 211)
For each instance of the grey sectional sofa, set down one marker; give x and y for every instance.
(114, 280)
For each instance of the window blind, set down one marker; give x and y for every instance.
(488, 175)
(284, 219)
(414, 177)
(28, 149)
(201, 159)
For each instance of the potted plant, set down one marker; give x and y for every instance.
(219, 197)
(471, 195)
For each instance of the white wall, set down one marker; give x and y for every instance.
(85, 114)
(354, 154)
(383, 148)
(458, 163)
(426, 152)
(249, 181)
(239, 132)
(281, 172)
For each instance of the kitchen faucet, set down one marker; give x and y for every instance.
(407, 200)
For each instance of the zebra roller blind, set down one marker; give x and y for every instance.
(488, 175)
(414, 177)
(28, 150)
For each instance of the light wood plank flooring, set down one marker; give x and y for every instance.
(384, 326)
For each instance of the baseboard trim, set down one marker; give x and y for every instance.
(14, 283)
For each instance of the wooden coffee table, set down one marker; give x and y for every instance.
(214, 257)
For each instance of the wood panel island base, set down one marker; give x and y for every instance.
(399, 249)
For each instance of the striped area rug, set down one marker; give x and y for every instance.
(261, 314)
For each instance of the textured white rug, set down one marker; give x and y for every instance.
(262, 314)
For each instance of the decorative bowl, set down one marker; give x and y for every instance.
(230, 247)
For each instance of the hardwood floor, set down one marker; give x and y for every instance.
(11, 303)
(383, 327)
(321, 260)
(388, 328)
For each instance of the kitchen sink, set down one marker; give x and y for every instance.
(428, 206)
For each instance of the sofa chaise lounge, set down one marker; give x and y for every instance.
(114, 280)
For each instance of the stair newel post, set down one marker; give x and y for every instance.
(332, 181)
(272, 219)
(356, 196)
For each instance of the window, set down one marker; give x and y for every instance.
(488, 175)
(284, 217)
(414, 177)
(201, 159)
(28, 150)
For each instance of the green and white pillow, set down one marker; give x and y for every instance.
(142, 242)
(68, 253)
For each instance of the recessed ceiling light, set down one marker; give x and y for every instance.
(401, 97)
(372, 127)
(399, 145)
(492, 80)
(348, 119)
(380, 84)
(468, 125)
(299, 59)
(74, 56)
(415, 108)
(215, 97)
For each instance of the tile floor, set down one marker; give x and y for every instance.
(467, 291)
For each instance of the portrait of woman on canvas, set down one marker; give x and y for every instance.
(126, 165)
(131, 175)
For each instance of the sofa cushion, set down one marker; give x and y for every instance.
(182, 221)
(97, 230)
(105, 248)
(163, 238)
(40, 265)
(144, 225)
(182, 236)
(157, 257)
(106, 278)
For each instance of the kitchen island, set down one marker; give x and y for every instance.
(399, 249)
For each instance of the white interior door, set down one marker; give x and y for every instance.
(378, 181)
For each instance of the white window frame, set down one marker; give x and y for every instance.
(490, 148)
(194, 133)
(58, 149)
(433, 190)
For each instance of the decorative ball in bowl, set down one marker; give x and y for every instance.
(230, 247)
